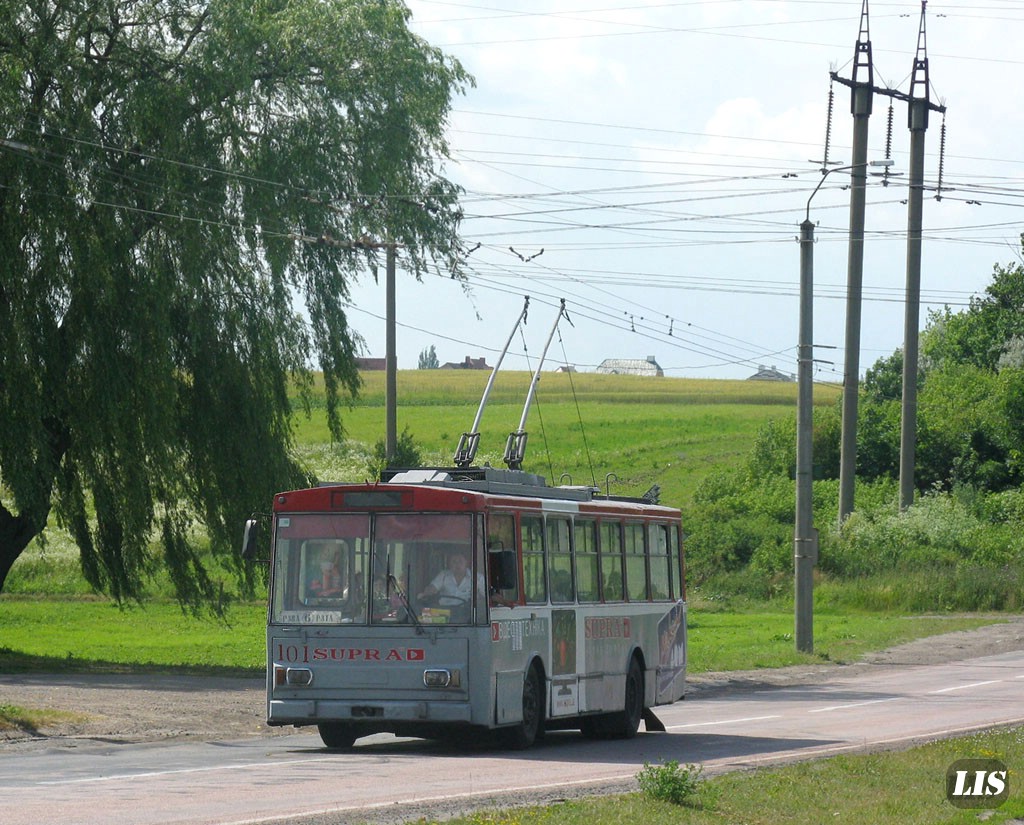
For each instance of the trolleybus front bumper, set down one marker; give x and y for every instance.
(385, 713)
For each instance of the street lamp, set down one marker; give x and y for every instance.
(805, 537)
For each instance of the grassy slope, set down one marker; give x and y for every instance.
(669, 431)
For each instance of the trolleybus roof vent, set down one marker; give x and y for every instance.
(486, 480)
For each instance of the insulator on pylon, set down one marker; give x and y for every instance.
(942, 156)
(828, 124)
(888, 143)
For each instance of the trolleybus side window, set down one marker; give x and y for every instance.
(587, 576)
(611, 561)
(559, 560)
(636, 563)
(533, 559)
(480, 594)
(657, 544)
(503, 569)
(675, 565)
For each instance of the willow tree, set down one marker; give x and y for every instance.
(187, 190)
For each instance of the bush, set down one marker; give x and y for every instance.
(671, 782)
(940, 530)
(407, 454)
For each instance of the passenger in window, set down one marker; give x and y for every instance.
(381, 602)
(327, 583)
(498, 597)
(613, 588)
(561, 586)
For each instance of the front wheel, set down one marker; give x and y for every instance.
(337, 735)
(524, 734)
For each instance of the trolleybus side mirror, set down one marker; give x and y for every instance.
(250, 539)
(504, 569)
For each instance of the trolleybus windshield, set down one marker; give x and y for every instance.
(421, 567)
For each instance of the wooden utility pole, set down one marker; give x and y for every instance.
(390, 360)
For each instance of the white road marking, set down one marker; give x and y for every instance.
(855, 704)
(149, 774)
(964, 687)
(722, 722)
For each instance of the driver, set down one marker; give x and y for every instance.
(454, 585)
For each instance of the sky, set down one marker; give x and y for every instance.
(650, 163)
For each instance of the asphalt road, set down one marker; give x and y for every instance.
(396, 780)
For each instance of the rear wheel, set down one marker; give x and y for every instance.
(628, 722)
(625, 723)
(337, 734)
(524, 734)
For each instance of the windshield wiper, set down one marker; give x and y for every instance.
(393, 582)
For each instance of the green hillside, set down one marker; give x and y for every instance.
(666, 431)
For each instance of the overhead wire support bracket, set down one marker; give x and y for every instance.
(919, 77)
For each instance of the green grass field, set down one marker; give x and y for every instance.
(94, 635)
(669, 431)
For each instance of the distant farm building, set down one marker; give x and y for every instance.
(468, 364)
(630, 366)
(371, 364)
(770, 374)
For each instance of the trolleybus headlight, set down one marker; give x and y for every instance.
(437, 678)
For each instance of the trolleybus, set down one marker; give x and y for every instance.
(571, 612)
(441, 601)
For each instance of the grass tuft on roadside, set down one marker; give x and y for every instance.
(34, 720)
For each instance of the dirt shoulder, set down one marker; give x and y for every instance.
(140, 708)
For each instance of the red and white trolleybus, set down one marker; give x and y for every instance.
(572, 613)
(441, 601)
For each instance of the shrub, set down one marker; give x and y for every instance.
(407, 454)
(671, 782)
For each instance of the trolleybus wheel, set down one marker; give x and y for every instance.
(625, 723)
(337, 734)
(524, 734)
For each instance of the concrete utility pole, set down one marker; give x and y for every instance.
(919, 107)
(390, 360)
(860, 105)
(805, 537)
